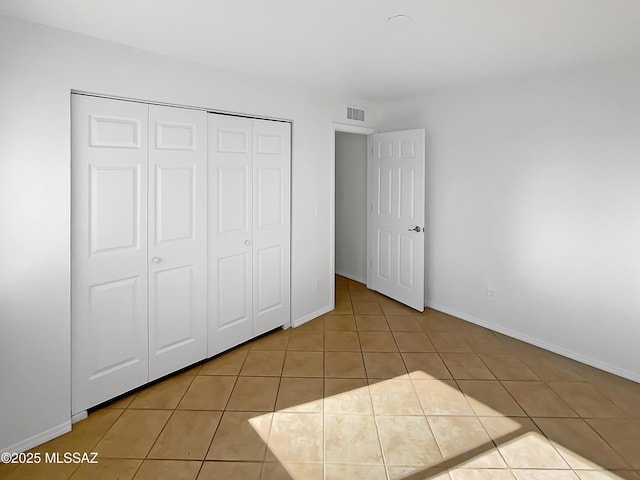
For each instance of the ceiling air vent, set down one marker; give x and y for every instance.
(354, 113)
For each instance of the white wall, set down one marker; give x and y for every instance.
(39, 66)
(534, 189)
(351, 206)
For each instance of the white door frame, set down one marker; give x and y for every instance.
(346, 128)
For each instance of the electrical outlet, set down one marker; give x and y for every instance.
(491, 294)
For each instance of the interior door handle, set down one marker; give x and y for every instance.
(415, 229)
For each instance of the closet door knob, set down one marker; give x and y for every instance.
(247, 243)
(156, 259)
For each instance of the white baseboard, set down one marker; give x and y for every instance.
(355, 278)
(38, 439)
(621, 372)
(79, 416)
(311, 316)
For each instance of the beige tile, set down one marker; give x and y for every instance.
(521, 444)
(441, 397)
(85, 434)
(449, 342)
(186, 436)
(165, 394)
(168, 470)
(360, 295)
(208, 393)
(254, 394)
(486, 342)
(296, 437)
(490, 399)
(122, 402)
(303, 364)
(625, 393)
(341, 341)
(418, 473)
(133, 434)
(507, 366)
(622, 435)
(344, 365)
(278, 340)
(351, 439)
(549, 367)
(538, 400)
(307, 341)
(372, 323)
(339, 323)
(464, 442)
(394, 397)
(300, 395)
(608, 475)
(579, 445)
(403, 323)
(545, 475)
(342, 296)
(44, 471)
(407, 441)
(241, 436)
(425, 366)
(354, 472)
(367, 308)
(391, 307)
(342, 308)
(413, 342)
(263, 363)
(226, 364)
(466, 366)
(384, 365)
(347, 396)
(315, 325)
(481, 474)
(586, 400)
(106, 469)
(377, 342)
(292, 471)
(190, 371)
(230, 470)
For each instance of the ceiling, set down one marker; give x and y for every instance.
(345, 45)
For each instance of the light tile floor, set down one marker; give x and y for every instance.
(373, 390)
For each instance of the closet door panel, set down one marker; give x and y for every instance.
(109, 249)
(177, 238)
(230, 232)
(271, 224)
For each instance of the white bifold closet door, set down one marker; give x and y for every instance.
(249, 228)
(138, 245)
(177, 239)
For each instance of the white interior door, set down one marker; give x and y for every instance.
(271, 224)
(109, 249)
(177, 238)
(230, 231)
(396, 216)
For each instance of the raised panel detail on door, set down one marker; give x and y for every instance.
(269, 270)
(109, 347)
(234, 199)
(118, 132)
(113, 311)
(174, 309)
(233, 141)
(177, 256)
(233, 299)
(270, 197)
(114, 208)
(175, 136)
(175, 203)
